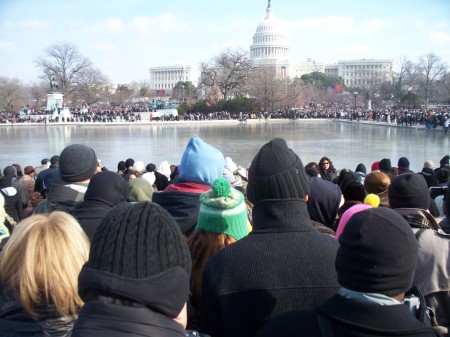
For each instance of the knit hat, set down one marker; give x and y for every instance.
(445, 160)
(77, 162)
(107, 188)
(385, 164)
(51, 178)
(139, 253)
(223, 210)
(375, 166)
(409, 190)
(428, 164)
(276, 172)
(140, 190)
(28, 169)
(347, 215)
(139, 166)
(150, 177)
(200, 162)
(403, 162)
(361, 168)
(386, 253)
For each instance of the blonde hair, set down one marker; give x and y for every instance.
(203, 245)
(376, 182)
(42, 260)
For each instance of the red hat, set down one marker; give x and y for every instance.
(376, 166)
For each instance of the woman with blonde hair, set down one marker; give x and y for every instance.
(378, 183)
(39, 269)
(222, 221)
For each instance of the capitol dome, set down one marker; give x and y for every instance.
(269, 41)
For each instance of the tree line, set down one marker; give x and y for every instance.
(229, 75)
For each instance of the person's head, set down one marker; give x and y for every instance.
(354, 191)
(346, 177)
(77, 163)
(139, 189)
(323, 201)
(150, 167)
(376, 182)
(18, 169)
(445, 161)
(409, 191)
(139, 254)
(29, 170)
(428, 165)
(375, 166)
(325, 164)
(121, 166)
(139, 166)
(54, 161)
(403, 163)
(386, 255)
(129, 162)
(446, 203)
(44, 161)
(361, 168)
(200, 162)
(312, 169)
(10, 171)
(107, 188)
(42, 260)
(443, 175)
(221, 221)
(276, 172)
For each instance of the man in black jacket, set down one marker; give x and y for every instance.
(375, 265)
(283, 264)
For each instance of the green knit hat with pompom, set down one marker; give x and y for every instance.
(223, 210)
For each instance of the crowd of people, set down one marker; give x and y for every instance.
(108, 113)
(206, 247)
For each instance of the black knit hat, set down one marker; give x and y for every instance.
(361, 168)
(385, 164)
(77, 162)
(139, 253)
(377, 253)
(354, 191)
(276, 172)
(409, 190)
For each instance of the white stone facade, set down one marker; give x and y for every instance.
(166, 77)
(270, 47)
(362, 73)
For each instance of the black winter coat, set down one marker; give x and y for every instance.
(100, 319)
(16, 322)
(282, 265)
(349, 318)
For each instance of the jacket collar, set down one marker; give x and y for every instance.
(281, 215)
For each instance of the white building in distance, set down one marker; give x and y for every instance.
(362, 73)
(270, 47)
(166, 77)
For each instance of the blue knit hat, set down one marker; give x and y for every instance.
(223, 210)
(200, 162)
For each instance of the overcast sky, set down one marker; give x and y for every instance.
(123, 38)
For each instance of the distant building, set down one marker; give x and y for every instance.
(362, 73)
(308, 67)
(270, 47)
(166, 77)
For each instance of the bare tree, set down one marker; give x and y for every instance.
(265, 88)
(91, 85)
(37, 92)
(429, 69)
(11, 92)
(229, 71)
(64, 62)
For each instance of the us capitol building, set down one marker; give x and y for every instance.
(270, 48)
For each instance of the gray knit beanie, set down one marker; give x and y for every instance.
(77, 162)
